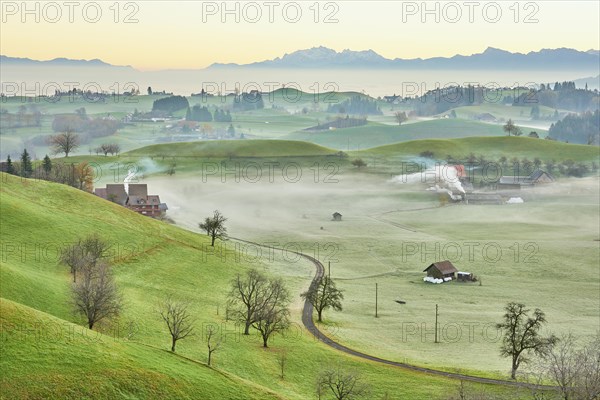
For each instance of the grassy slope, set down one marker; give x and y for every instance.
(152, 259)
(69, 362)
(244, 148)
(492, 147)
(373, 135)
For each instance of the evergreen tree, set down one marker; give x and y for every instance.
(231, 130)
(26, 167)
(10, 168)
(47, 165)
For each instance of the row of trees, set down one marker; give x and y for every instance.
(106, 148)
(581, 129)
(28, 115)
(81, 123)
(561, 96)
(358, 105)
(203, 114)
(248, 101)
(170, 104)
(80, 175)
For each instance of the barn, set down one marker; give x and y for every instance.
(441, 270)
(522, 182)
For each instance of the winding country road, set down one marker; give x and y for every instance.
(308, 322)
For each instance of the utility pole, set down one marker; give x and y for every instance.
(376, 295)
(329, 267)
(436, 323)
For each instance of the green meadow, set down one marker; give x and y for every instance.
(280, 186)
(48, 353)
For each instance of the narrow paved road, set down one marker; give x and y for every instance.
(308, 322)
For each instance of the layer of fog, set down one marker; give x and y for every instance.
(277, 207)
(184, 82)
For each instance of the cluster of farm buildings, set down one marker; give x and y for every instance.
(134, 197)
(504, 186)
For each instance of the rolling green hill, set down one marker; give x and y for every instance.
(47, 353)
(237, 148)
(492, 147)
(47, 357)
(373, 134)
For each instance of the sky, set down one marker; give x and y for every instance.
(156, 35)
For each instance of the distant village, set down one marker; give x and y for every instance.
(506, 189)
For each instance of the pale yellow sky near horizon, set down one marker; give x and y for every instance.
(195, 34)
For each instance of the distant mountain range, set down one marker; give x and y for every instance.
(323, 57)
(59, 62)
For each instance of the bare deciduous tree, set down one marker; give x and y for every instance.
(96, 295)
(282, 361)
(272, 315)
(112, 148)
(176, 316)
(359, 163)
(246, 297)
(65, 142)
(521, 335)
(84, 252)
(400, 117)
(344, 385)
(212, 342)
(323, 294)
(214, 227)
(574, 370)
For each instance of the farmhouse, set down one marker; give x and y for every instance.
(522, 182)
(337, 216)
(441, 270)
(486, 117)
(135, 197)
(392, 99)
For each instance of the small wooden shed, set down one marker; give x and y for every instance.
(337, 216)
(441, 270)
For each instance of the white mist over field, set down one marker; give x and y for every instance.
(277, 207)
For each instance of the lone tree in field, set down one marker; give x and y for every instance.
(96, 295)
(26, 166)
(511, 128)
(359, 163)
(212, 342)
(10, 168)
(521, 335)
(323, 294)
(214, 227)
(65, 142)
(575, 371)
(87, 251)
(176, 316)
(344, 385)
(47, 165)
(246, 297)
(400, 117)
(272, 316)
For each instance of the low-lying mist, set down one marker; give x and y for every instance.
(278, 206)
